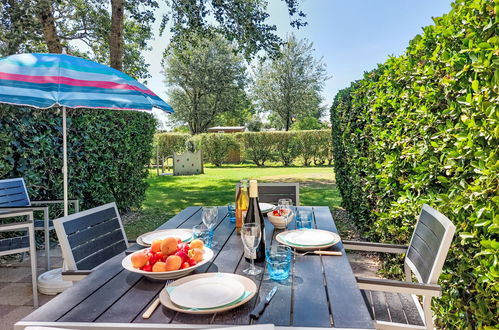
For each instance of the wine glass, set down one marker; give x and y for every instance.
(251, 234)
(284, 206)
(209, 216)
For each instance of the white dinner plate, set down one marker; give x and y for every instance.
(250, 290)
(147, 238)
(127, 264)
(308, 239)
(211, 292)
(266, 207)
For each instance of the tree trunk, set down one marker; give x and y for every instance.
(46, 17)
(116, 35)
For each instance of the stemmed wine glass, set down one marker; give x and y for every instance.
(285, 209)
(251, 234)
(209, 216)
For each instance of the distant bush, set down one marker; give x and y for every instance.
(424, 128)
(257, 147)
(168, 143)
(286, 147)
(216, 146)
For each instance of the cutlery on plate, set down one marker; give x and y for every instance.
(324, 253)
(258, 310)
(147, 314)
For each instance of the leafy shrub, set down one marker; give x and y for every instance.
(216, 146)
(259, 146)
(168, 143)
(287, 147)
(423, 128)
(107, 151)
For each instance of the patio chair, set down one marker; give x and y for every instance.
(89, 238)
(22, 243)
(14, 196)
(272, 192)
(394, 304)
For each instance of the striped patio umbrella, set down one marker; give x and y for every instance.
(47, 80)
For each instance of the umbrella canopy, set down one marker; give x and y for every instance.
(46, 80)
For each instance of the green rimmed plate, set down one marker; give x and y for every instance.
(308, 239)
(250, 290)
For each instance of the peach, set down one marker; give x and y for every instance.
(139, 259)
(173, 263)
(169, 245)
(159, 267)
(196, 254)
(196, 243)
(156, 245)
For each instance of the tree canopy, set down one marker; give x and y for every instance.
(205, 78)
(289, 86)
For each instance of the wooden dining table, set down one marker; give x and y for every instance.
(321, 291)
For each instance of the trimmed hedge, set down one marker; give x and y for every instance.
(107, 152)
(216, 146)
(257, 147)
(424, 128)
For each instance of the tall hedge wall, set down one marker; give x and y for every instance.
(423, 128)
(107, 152)
(313, 146)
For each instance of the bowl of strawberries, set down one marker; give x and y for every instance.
(278, 218)
(168, 258)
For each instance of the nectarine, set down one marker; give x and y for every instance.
(196, 243)
(196, 254)
(169, 245)
(159, 267)
(156, 245)
(173, 263)
(139, 259)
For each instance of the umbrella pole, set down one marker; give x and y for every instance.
(65, 161)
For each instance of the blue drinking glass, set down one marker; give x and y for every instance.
(232, 211)
(304, 219)
(203, 233)
(278, 259)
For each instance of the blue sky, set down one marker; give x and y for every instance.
(351, 36)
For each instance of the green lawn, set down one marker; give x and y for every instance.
(168, 195)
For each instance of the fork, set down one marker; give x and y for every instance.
(320, 252)
(147, 314)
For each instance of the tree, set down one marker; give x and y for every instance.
(244, 21)
(50, 26)
(205, 79)
(289, 86)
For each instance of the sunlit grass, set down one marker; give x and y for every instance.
(168, 195)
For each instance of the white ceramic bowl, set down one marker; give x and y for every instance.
(127, 264)
(278, 221)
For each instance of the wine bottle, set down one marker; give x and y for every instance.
(242, 202)
(254, 215)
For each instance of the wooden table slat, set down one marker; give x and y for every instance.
(73, 296)
(344, 295)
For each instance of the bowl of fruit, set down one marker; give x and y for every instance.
(168, 258)
(278, 219)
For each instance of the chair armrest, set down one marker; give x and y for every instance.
(54, 201)
(420, 289)
(15, 213)
(75, 275)
(15, 226)
(20, 208)
(374, 247)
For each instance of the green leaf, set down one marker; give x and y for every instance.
(475, 85)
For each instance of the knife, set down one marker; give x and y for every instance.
(258, 310)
